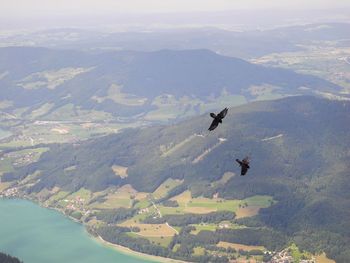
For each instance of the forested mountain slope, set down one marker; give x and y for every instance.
(299, 148)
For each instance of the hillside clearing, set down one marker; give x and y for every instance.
(239, 246)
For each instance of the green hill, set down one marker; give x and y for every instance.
(40, 83)
(299, 148)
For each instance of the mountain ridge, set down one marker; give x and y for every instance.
(144, 81)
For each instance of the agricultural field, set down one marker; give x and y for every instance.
(165, 187)
(162, 233)
(3, 186)
(198, 251)
(121, 197)
(213, 227)
(42, 110)
(151, 230)
(161, 241)
(200, 227)
(15, 159)
(323, 259)
(239, 246)
(324, 60)
(47, 132)
(143, 203)
(82, 194)
(84, 203)
(115, 200)
(169, 107)
(57, 196)
(201, 205)
(120, 171)
(51, 79)
(115, 93)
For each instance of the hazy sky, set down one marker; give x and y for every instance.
(37, 7)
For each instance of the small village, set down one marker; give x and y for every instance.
(9, 193)
(285, 256)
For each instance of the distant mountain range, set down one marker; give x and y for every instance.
(299, 149)
(129, 83)
(247, 44)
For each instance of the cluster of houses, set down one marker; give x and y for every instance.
(21, 159)
(143, 210)
(10, 192)
(76, 203)
(285, 256)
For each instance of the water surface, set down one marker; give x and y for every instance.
(40, 235)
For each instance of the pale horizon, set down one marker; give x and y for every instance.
(148, 15)
(88, 7)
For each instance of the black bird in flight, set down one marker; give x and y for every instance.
(217, 119)
(244, 165)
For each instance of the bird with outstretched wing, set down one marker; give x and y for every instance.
(217, 119)
(244, 165)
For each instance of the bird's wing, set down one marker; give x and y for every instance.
(213, 115)
(244, 169)
(239, 162)
(246, 160)
(213, 125)
(223, 113)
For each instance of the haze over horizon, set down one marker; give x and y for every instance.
(156, 13)
(37, 7)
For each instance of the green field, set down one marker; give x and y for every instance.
(12, 160)
(6, 165)
(161, 241)
(200, 205)
(200, 227)
(323, 60)
(198, 251)
(57, 197)
(165, 187)
(142, 204)
(81, 193)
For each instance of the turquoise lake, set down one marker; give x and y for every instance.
(39, 235)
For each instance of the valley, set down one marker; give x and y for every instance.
(86, 207)
(111, 130)
(186, 201)
(328, 60)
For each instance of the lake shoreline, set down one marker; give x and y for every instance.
(119, 248)
(99, 239)
(129, 251)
